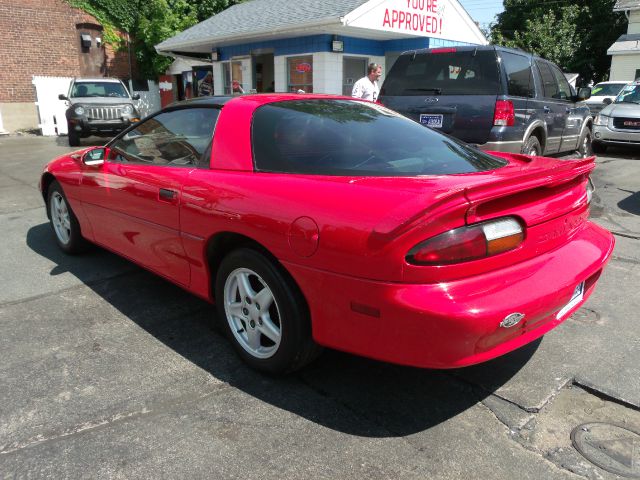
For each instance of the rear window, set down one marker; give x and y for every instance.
(351, 138)
(469, 72)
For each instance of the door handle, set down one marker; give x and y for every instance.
(568, 110)
(546, 109)
(166, 194)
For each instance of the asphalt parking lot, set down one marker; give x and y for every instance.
(110, 372)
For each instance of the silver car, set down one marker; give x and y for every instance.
(619, 122)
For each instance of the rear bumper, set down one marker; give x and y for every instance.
(507, 147)
(457, 323)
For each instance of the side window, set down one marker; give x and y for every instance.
(176, 138)
(564, 88)
(548, 80)
(519, 75)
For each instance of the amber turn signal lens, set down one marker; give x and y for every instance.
(468, 243)
(504, 244)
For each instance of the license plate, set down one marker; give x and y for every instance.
(431, 120)
(576, 298)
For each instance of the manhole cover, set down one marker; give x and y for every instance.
(614, 448)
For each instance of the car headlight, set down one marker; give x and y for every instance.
(79, 110)
(601, 120)
(127, 109)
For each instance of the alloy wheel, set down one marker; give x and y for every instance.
(60, 217)
(252, 313)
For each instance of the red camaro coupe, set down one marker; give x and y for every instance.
(326, 221)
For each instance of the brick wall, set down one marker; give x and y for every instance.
(40, 38)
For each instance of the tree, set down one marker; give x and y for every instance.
(576, 37)
(147, 23)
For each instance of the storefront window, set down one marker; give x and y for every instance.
(300, 73)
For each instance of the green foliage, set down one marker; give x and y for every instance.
(575, 35)
(149, 22)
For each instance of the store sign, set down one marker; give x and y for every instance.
(303, 67)
(444, 19)
(417, 15)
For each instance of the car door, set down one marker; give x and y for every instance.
(133, 200)
(573, 117)
(554, 110)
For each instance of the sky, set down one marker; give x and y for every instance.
(482, 11)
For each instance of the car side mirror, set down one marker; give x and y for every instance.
(607, 101)
(135, 96)
(584, 94)
(95, 156)
(62, 96)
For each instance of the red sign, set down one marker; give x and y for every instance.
(303, 67)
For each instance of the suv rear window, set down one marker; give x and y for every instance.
(467, 72)
(352, 138)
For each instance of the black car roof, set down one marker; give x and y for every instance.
(214, 101)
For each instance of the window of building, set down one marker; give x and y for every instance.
(300, 73)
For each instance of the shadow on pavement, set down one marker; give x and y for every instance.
(624, 153)
(342, 392)
(630, 204)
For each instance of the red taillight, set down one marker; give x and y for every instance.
(468, 243)
(505, 115)
(443, 50)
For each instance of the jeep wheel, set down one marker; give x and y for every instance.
(532, 147)
(74, 138)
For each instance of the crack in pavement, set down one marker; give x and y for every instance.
(20, 181)
(626, 235)
(522, 443)
(105, 422)
(67, 289)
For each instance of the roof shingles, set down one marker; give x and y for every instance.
(258, 16)
(627, 5)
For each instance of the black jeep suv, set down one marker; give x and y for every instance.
(99, 106)
(497, 98)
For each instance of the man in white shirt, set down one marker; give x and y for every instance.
(367, 87)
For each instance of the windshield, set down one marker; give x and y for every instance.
(99, 89)
(607, 89)
(629, 94)
(351, 138)
(467, 72)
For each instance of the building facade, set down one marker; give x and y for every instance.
(48, 39)
(312, 45)
(625, 52)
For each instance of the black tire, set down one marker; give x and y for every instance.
(73, 137)
(585, 147)
(73, 242)
(532, 146)
(288, 311)
(599, 147)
